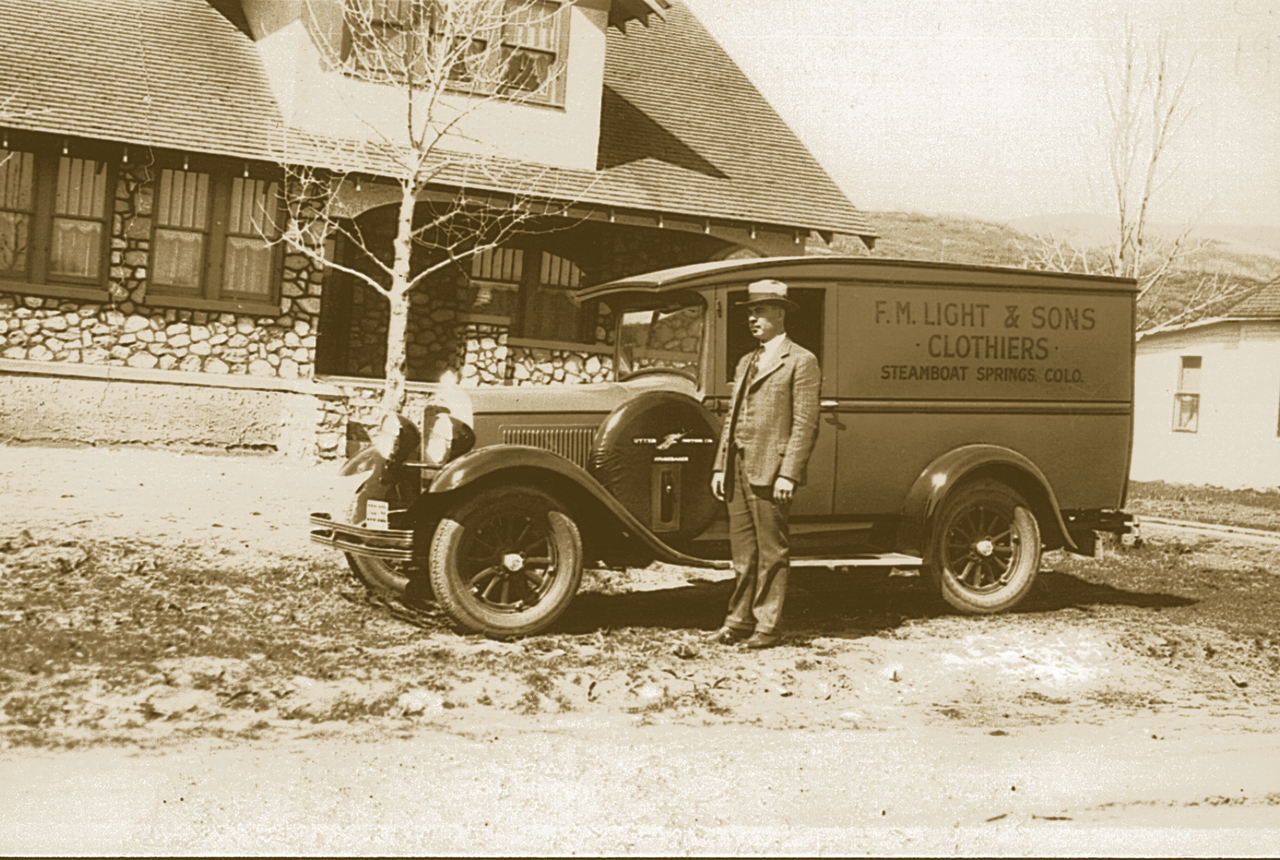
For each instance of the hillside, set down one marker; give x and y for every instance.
(1244, 258)
(937, 238)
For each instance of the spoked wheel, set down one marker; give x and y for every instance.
(984, 548)
(506, 562)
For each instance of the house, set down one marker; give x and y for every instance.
(139, 303)
(1207, 399)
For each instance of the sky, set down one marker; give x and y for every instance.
(998, 109)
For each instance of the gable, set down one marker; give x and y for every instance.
(683, 131)
(684, 128)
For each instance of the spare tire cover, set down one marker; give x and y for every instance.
(660, 443)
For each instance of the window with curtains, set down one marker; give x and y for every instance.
(17, 207)
(54, 226)
(386, 39)
(182, 231)
(79, 227)
(495, 280)
(513, 47)
(531, 45)
(214, 239)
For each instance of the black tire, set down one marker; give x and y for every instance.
(660, 430)
(507, 562)
(389, 575)
(984, 548)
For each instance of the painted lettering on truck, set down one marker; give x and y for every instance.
(924, 342)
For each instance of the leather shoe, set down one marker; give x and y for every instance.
(761, 640)
(728, 636)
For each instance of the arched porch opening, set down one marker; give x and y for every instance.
(505, 316)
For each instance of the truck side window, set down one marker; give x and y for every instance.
(803, 326)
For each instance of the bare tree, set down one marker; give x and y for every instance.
(1146, 96)
(1146, 103)
(443, 60)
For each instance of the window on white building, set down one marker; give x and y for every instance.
(1186, 402)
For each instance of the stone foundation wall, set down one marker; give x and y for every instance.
(538, 366)
(128, 330)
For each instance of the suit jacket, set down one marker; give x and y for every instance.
(778, 417)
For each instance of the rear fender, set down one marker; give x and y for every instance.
(973, 461)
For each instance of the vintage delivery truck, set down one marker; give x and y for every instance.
(971, 417)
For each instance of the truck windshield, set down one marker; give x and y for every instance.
(664, 340)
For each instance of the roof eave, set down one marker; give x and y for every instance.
(622, 12)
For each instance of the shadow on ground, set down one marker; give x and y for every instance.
(1055, 590)
(827, 603)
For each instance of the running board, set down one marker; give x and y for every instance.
(883, 559)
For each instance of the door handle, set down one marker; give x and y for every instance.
(829, 404)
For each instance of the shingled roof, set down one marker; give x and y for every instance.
(1264, 304)
(683, 131)
(165, 73)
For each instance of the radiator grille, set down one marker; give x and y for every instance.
(572, 443)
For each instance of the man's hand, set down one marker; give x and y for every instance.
(717, 485)
(783, 489)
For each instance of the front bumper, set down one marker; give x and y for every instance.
(382, 544)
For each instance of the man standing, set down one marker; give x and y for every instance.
(767, 438)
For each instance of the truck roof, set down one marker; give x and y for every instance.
(875, 269)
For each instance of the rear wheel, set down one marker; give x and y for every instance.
(506, 562)
(984, 548)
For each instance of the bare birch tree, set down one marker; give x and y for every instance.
(1146, 96)
(444, 60)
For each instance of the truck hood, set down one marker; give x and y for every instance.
(586, 398)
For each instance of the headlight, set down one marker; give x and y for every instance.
(446, 437)
(396, 438)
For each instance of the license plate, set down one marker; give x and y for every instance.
(375, 514)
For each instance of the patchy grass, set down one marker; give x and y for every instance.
(1207, 581)
(120, 640)
(1257, 509)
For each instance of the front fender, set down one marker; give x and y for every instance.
(950, 469)
(483, 462)
(367, 460)
(395, 485)
(523, 462)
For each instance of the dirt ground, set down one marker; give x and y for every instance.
(167, 629)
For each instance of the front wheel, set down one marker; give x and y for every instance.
(390, 575)
(506, 562)
(984, 548)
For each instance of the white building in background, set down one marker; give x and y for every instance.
(1207, 400)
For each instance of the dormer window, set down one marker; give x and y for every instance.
(516, 48)
(530, 44)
